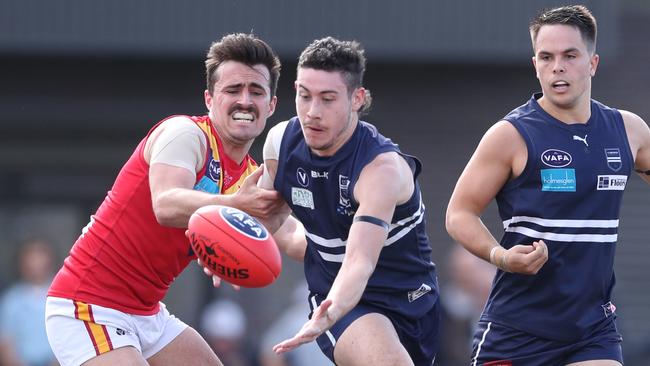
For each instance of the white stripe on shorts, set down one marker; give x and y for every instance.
(327, 332)
(478, 349)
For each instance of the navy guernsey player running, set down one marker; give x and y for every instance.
(557, 167)
(360, 219)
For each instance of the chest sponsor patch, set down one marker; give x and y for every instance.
(302, 177)
(207, 185)
(558, 180)
(302, 197)
(556, 158)
(214, 170)
(614, 161)
(611, 182)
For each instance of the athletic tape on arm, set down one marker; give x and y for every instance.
(372, 220)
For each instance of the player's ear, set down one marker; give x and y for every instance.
(534, 60)
(358, 98)
(208, 99)
(593, 64)
(272, 104)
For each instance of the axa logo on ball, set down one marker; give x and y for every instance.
(208, 255)
(244, 223)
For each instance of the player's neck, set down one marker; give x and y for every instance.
(579, 112)
(235, 149)
(236, 152)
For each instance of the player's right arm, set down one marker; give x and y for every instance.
(501, 155)
(638, 136)
(176, 152)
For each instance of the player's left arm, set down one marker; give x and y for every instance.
(638, 135)
(288, 232)
(366, 238)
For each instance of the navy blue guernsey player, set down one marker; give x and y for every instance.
(360, 224)
(557, 166)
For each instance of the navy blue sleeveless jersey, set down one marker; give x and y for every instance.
(569, 194)
(319, 190)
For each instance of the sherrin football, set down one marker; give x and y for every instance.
(234, 246)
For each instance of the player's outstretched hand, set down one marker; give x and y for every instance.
(256, 201)
(527, 259)
(320, 321)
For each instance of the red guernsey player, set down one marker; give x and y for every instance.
(104, 305)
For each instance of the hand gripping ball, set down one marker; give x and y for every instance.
(234, 246)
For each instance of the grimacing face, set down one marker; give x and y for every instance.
(241, 102)
(328, 113)
(564, 66)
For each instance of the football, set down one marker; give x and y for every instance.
(234, 246)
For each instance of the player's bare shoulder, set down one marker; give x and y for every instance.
(394, 173)
(170, 129)
(505, 136)
(502, 145)
(638, 133)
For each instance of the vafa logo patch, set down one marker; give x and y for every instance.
(556, 158)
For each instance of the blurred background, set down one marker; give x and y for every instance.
(82, 81)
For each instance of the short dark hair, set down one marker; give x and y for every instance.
(346, 57)
(574, 15)
(244, 48)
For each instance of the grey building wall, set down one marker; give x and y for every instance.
(468, 31)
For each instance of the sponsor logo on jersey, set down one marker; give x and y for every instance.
(315, 174)
(214, 170)
(558, 180)
(244, 223)
(303, 178)
(611, 182)
(609, 309)
(582, 139)
(344, 205)
(207, 185)
(344, 193)
(556, 158)
(209, 182)
(613, 156)
(414, 295)
(302, 197)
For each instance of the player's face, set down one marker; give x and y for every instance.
(240, 102)
(328, 112)
(564, 66)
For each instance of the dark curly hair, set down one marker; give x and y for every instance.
(346, 57)
(244, 48)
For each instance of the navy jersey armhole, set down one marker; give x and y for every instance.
(530, 161)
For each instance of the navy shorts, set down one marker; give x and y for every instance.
(420, 337)
(498, 345)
